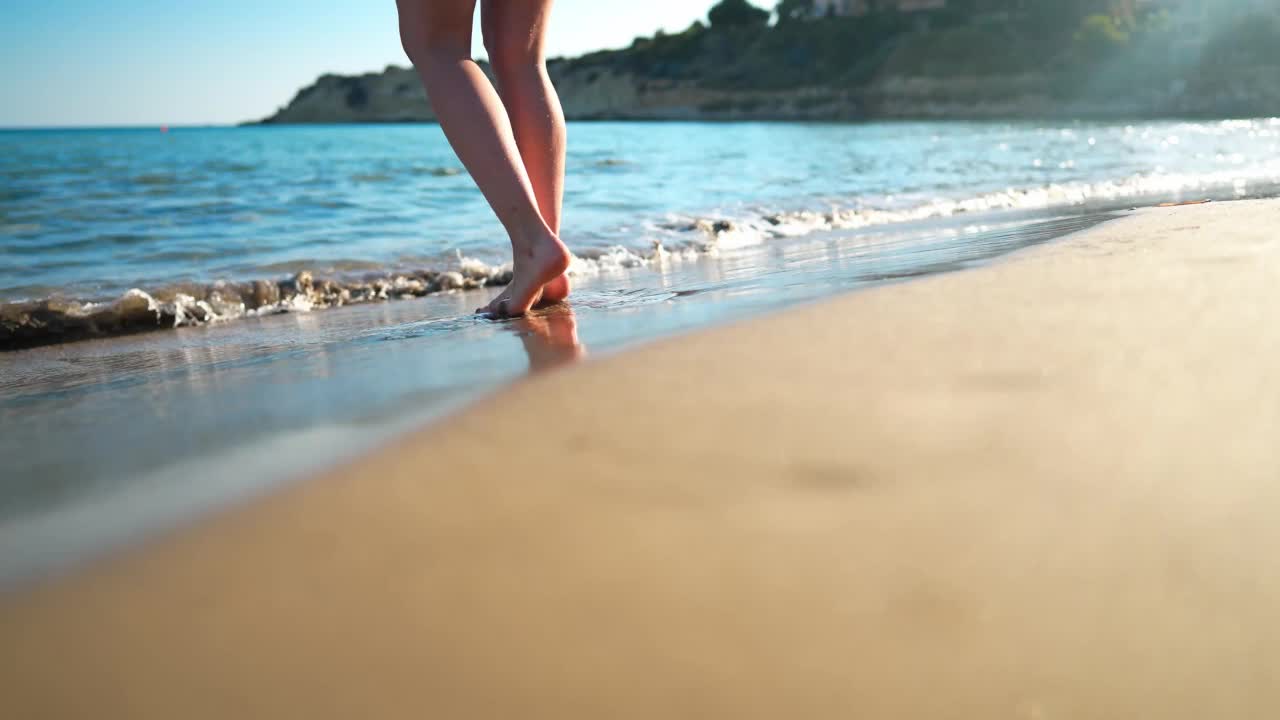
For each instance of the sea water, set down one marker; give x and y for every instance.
(248, 376)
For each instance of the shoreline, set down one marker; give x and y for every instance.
(942, 116)
(59, 319)
(1038, 488)
(428, 356)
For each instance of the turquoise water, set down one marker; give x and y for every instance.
(676, 227)
(90, 214)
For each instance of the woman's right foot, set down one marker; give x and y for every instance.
(544, 262)
(553, 293)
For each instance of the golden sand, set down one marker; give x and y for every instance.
(1049, 488)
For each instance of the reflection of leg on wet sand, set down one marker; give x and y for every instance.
(550, 337)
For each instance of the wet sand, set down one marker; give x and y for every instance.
(1041, 489)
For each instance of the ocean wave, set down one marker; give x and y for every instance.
(675, 237)
(678, 239)
(55, 320)
(1142, 188)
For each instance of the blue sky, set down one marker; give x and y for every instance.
(113, 62)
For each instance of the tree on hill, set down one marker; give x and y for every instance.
(789, 10)
(737, 13)
(1100, 36)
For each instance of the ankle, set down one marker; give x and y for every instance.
(530, 238)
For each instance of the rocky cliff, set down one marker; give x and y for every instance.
(396, 95)
(835, 70)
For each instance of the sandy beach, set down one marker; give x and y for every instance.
(1045, 488)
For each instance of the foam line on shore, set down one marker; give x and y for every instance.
(676, 239)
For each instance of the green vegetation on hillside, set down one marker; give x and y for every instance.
(737, 13)
(1072, 42)
(972, 58)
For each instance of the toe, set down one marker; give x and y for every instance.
(494, 308)
(517, 306)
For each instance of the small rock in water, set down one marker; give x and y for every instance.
(135, 307)
(451, 280)
(264, 293)
(715, 227)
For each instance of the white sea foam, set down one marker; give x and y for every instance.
(672, 240)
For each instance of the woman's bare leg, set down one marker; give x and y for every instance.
(437, 38)
(515, 37)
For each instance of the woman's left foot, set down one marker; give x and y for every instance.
(554, 291)
(544, 263)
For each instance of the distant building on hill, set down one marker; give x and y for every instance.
(919, 5)
(1190, 15)
(857, 8)
(840, 8)
(1188, 12)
